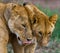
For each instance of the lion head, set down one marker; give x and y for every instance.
(42, 25)
(18, 23)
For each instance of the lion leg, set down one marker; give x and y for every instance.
(3, 40)
(30, 48)
(16, 47)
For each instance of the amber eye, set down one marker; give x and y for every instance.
(34, 21)
(40, 33)
(49, 33)
(23, 25)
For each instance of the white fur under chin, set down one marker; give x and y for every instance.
(19, 41)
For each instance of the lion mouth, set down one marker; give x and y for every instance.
(27, 42)
(33, 41)
(23, 42)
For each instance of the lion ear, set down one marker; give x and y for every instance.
(11, 23)
(29, 9)
(33, 10)
(8, 10)
(53, 18)
(7, 14)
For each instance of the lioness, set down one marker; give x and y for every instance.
(42, 25)
(15, 27)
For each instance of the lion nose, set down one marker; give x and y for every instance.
(29, 39)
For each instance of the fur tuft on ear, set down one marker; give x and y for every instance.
(53, 18)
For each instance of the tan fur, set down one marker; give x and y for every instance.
(42, 25)
(15, 27)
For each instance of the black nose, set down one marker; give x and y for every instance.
(28, 39)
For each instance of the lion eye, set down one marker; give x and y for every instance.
(34, 21)
(49, 33)
(23, 25)
(40, 33)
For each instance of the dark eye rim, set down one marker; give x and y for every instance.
(34, 21)
(23, 25)
(49, 32)
(40, 33)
